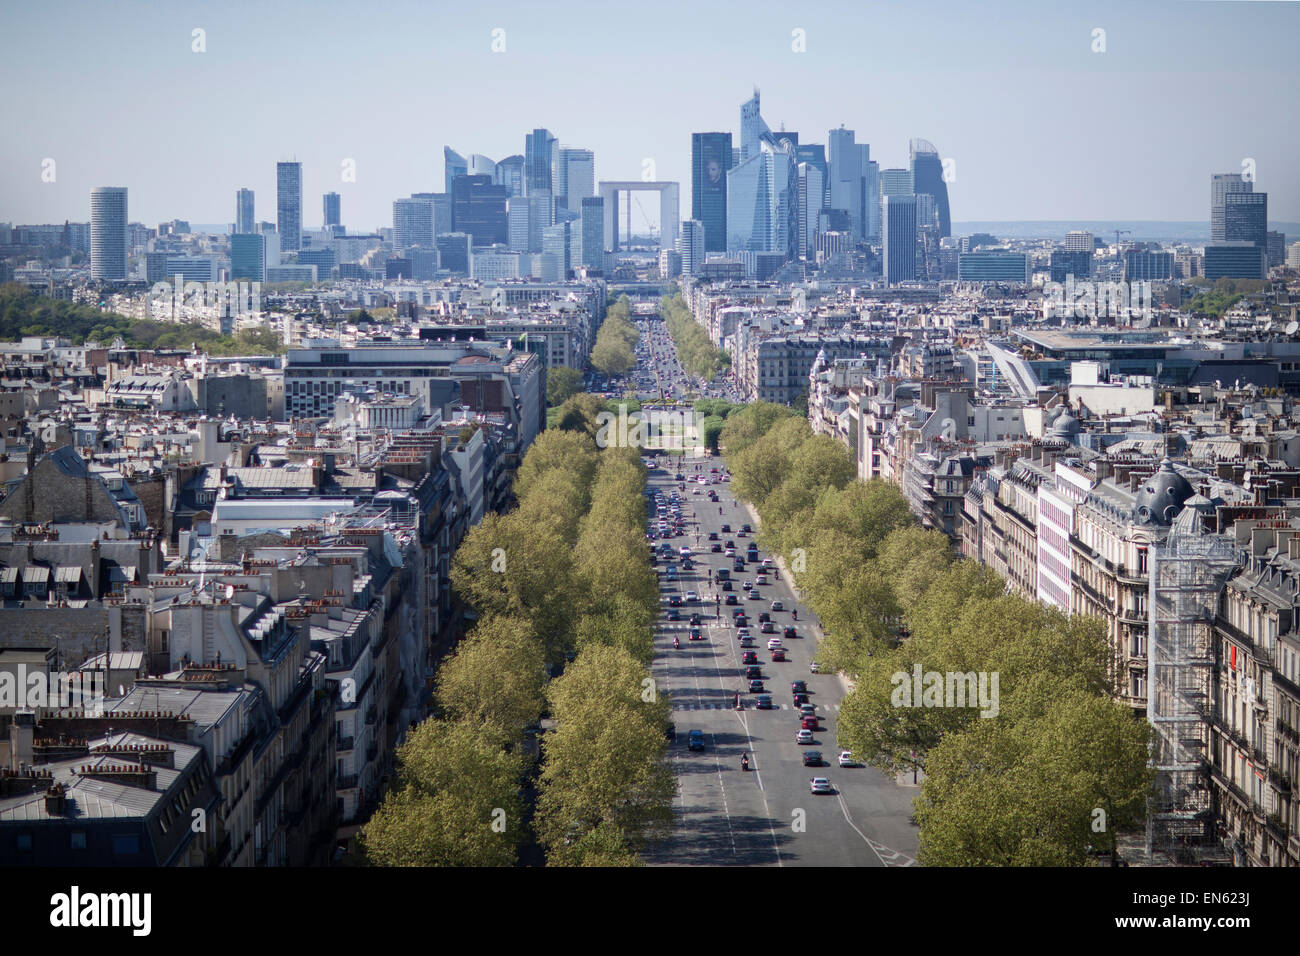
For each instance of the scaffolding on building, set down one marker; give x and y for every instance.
(1187, 577)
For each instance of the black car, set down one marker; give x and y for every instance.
(716, 549)
(798, 687)
(713, 536)
(763, 702)
(763, 616)
(739, 565)
(725, 585)
(756, 686)
(730, 598)
(742, 621)
(679, 477)
(726, 529)
(695, 620)
(800, 699)
(790, 632)
(812, 758)
(745, 528)
(753, 672)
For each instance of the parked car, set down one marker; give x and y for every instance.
(813, 668)
(846, 760)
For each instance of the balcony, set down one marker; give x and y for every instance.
(346, 743)
(348, 782)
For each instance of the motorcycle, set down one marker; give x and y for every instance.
(676, 642)
(744, 761)
(795, 615)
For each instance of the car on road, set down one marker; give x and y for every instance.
(695, 620)
(716, 549)
(742, 621)
(767, 627)
(800, 698)
(778, 654)
(812, 758)
(754, 595)
(763, 702)
(756, 687)
(747, 641)
(725, 585)
(790, 632)
(798, 687)
(730, 598)
(763, 616)
(746, 528)
(846, 760)
(695, 634)
(674, 600)
(807, 710)
(674, 614)
(691, 597)
(778, 606)
(761, 579)
(749, 657)
(808, 723)
(695, 740)
(753, 672)
(820, 785)
(773, 642)
(803, 737)
(813, 668)
(726, 529)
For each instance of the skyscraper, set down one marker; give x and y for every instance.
(478, 207)
(763, 202)
(454, 165)
(710, 160)
(332, 210)
(691, 245)
(846, 175)
(593, 233)
(557, 242)
(108, 245)
(752, 127)
(538, 148)
(518, 237)
(927, 178)
(1245, 218)
(244, 221)
(1078, 240)
(898, 232)
(811, 190)
(577, 178)
(510, 174)
(288, 205)
(412, 223)
(1220, 185)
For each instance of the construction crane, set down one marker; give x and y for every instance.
(1118, 233)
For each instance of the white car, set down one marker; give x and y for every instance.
(773, 643)
(846, 759)
(820, 785)
(691, 596)
(804, 737)
(778, 606)
(813, 668)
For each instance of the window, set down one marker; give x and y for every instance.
(126, 844)
(1142, 560)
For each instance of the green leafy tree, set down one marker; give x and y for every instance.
(562, 383)
(496, 679)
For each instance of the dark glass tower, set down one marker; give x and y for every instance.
(710, 160)
(927, 177)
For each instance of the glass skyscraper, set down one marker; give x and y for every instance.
(108, 244)
(244, 221)
(478, 207)
(1245, 218)
(332, 210)
(248, 257)
(593, 233)
(898, 232)
(1220, 185)
(763, 202)
(710, 161)
(412, 223)
(752, 128)
(288, 205)
(927, 178)
(539, 147)
(454, 165)
(846, 179)
(577, 178)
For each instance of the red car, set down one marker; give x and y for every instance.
(778, 654)
(749, 657)
(808, 723)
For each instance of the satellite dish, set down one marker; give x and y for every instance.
(1292, 328)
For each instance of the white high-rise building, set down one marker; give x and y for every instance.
(1079, 240)
(244, 221)
(577, 174)
(412, 223)
(691, 245)
(518, 225)
(108, 244)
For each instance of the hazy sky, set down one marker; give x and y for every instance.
(1039, 125)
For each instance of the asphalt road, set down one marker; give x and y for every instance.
(765, 816)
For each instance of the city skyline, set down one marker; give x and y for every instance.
(1147, 164)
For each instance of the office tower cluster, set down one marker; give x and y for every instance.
(1239, 236)
(522, 205)
(776, 199)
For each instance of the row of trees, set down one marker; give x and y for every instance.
(698, 355)
(562, 585)
(24, 312)
(1033, 769)
(712, 413)
(614, 351)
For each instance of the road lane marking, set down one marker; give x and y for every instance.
(884, 854)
